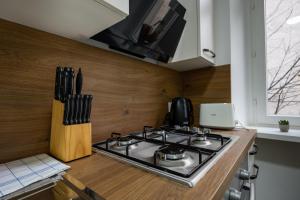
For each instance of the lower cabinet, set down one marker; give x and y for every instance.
(242, 186)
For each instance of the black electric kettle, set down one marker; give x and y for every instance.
(181, 113)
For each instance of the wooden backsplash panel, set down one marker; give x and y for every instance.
(128, 93)
(207, 85)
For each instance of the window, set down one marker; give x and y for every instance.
(275, 62)
(282, 33)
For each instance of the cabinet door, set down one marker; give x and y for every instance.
(119, 6)
(188, 45)
(251, 158)
(206, 29)
(74, 19)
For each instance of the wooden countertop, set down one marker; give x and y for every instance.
(115, 180)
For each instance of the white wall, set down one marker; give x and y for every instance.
(232, 46)
(240, 56)
(222, 32)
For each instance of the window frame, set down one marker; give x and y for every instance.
(258, 106)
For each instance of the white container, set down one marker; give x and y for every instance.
(217, 115)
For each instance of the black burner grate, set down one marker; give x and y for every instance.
(190, 136)
(106, 144)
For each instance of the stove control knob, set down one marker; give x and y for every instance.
(233, 194)
(244, 174)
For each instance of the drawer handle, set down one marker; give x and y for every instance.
(252, 177)
(213, 55)
(255, 150)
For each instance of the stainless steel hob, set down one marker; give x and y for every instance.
(179, 153)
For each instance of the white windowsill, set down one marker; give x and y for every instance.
(274, 134)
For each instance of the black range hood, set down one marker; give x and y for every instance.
(151, 30)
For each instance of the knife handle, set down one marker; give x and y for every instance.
(64, 85)
(69, 81)
(79, 80)
(58, 77)
(80, 108)
(72, 81)
(67, 111)
(72, 106)
(75, 109)
(89, 108)
(84, 108)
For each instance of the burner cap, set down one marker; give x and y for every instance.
(171, 149)
(122, 141)
(171, 152)
(125, 138)
(201, 139)
(202, 142)
(157, 134)
(160, 132)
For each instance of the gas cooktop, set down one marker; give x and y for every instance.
(181, 153)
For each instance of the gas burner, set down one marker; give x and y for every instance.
(157, 134)
(160, 132)
(201, 139)
(154, 133)
(197, 130)
(170, 152)
(172, 156)
(182, 128)
(121, 143)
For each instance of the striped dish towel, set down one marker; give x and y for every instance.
(18, 174)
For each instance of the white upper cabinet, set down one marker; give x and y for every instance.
(119, 6)
(206, 30)
(188, 47)
(196, 46)
(75, 19)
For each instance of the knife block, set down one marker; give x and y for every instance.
(68, 142)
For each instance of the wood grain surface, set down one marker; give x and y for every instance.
(207, 85)
(128, 93)
(115, 180)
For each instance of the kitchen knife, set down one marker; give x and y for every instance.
(67, 82)
(79, 111)
(64, 84)
(79, 80)
(71, 81)
(84, 108)
(75, 109)
(58, 79)
(72, 106)
(89, 108)
(67, 111)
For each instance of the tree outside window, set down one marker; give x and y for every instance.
(282, 20)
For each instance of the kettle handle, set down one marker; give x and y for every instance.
(171, 117)
(191, 111)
